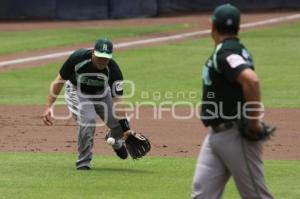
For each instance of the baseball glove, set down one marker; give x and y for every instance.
(248, 134)
(137, 144)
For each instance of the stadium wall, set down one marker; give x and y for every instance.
(106, 9)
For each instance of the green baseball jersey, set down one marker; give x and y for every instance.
(222, 95)
(78, 68)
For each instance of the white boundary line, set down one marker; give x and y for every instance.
(148, 41)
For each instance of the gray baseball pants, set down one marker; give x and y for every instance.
(226, 154)
(85, 111)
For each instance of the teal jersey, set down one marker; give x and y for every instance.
(222, 95)
(78, 68)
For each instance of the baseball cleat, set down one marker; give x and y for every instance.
(122, 152)
(84, 168)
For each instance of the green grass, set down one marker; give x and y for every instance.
(177, 67)
(29, 86)
(276, 55)
(24, 41)
(38, 175)
(172, 72)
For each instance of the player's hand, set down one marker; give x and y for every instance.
(47, 116)
(126, 134)
(137, 144)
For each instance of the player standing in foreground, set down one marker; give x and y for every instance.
(231, 109)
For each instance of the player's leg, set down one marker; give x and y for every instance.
(252, 152)
(243, 160)
(84, 112)
(71, 99)
(86, 132)
(210, 175)
(104, 108)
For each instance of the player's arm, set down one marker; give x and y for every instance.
(119, 107)
(55, 89)
(237, 69)
(116, 85)
(65, 73)
(249, 81)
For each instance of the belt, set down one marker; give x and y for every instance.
(223, 126)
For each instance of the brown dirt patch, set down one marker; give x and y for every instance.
(23, 130)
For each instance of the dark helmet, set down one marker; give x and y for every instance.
(226, 18)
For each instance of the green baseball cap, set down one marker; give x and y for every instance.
(103, 48)
(226, 17)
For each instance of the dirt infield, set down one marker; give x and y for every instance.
(23, 130)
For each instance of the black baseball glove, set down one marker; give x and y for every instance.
(248, 134)
(137, 144)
